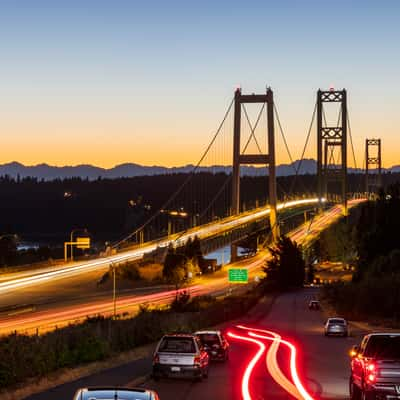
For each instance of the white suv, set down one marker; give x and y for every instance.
(180, 355)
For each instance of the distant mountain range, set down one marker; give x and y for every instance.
(48, 172)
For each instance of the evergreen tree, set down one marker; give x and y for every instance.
(286, 268)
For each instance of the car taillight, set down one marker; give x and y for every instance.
(197, 359)
(156, 359)
(371, 372)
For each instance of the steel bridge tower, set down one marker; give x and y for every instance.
(329, 138)
(264, 159)
(373, 181)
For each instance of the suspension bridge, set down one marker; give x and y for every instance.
(211, 205)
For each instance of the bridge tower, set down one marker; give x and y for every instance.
(373, 181)
(264, 159)
(329, 138)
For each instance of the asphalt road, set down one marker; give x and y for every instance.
(323, 362)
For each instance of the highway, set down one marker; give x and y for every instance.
(321, 363)
(35, 277)
(51, 314)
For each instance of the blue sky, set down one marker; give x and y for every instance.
(106, 82)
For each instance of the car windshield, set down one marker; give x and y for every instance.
(110, 395)
(382, 346)
(336, 321)
(177, 345)
(209, 338)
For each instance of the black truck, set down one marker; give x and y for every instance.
(375, 368)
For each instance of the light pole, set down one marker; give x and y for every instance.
(112, 266)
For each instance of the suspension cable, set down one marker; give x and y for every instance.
(252, 134)
(304, 148)
(174, 195)
(351, 142)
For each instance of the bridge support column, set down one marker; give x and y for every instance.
(249, 159)
(329, 138)
(372, 184)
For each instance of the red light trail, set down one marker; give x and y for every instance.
(297, 390)
(250, 366)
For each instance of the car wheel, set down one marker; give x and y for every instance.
(354, 391)
(205, 375)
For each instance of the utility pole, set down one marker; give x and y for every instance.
(372, 184)
(112, 266)
(329, 138)
(263, 159)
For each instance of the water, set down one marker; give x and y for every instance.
(27, 246)
(223, 255)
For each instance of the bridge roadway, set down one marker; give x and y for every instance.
(33, 277)
(57, 313)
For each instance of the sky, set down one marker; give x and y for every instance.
(109, 82)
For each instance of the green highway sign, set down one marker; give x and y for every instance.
(238, 275)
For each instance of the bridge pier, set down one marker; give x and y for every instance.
(252, 159)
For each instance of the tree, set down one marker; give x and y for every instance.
(174, 270)
(194, 255)
(286, 268)
(8, 249)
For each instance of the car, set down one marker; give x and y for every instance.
(314, 305)
(180, 355)
(375, 367)
(215, 344)
(115, 393)
(336, 326)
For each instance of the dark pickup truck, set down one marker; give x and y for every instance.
(375, 368)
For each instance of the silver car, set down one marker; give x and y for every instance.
(336, 326)
(106, 393)
(180, 355)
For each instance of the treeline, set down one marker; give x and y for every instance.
(374, 292)
(110, 208)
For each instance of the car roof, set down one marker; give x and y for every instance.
(183, 335)
(384, 334)
(114, 393)
(207, 332)
(336, 318)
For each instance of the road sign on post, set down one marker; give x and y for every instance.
(238, 275)
(83, 242)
